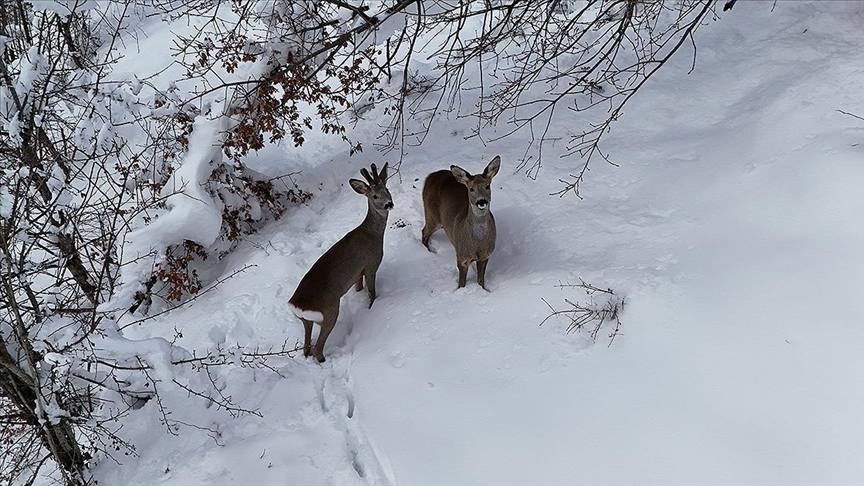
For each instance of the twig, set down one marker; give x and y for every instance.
(226, 403)
(590, 289)
(851, 114)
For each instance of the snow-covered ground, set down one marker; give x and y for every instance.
(734, 229)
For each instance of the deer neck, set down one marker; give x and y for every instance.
(477, 226)
(375, 222)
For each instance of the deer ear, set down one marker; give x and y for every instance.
(460, 174)
(359, 186)
(492, 169)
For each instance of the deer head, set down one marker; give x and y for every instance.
(375, 189)
(479, 186)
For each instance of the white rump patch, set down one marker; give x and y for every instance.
(309, 315)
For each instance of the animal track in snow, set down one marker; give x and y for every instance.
(339, 404)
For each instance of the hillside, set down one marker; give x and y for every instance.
(733, 227)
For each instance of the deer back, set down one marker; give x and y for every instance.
(333, 274)
(444, 198)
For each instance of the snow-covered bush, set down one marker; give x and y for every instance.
(88, 159)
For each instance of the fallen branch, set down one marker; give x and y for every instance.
(851, 114)
(592, 315)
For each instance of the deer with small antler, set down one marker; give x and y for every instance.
(347, 263)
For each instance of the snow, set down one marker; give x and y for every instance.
(7, 201)
(64, 7)
(733, 227)
(193, 214)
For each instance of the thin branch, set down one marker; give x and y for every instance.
(851, 114)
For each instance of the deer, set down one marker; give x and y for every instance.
(350, 261)
(459, 202)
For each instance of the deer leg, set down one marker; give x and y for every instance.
(429, 228)
(463, 272)
(481, 273)
(359, 285)
(427, 233)
(307, 340)
(370, 287)
(326, 326)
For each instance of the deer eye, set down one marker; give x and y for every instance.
(374, 197)
(472, 189)
(487, 187)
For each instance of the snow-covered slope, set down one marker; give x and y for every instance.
(734, 228)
